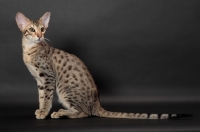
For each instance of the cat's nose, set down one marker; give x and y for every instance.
(39, 36)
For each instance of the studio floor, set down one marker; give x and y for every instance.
(20, 117)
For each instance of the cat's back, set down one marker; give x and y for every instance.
(72, 70)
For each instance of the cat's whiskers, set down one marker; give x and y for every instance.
(47, 40)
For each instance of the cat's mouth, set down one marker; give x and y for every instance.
(39, 40)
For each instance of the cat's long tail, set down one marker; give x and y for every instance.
(108, 114)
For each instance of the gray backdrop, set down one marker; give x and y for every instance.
(136, 50)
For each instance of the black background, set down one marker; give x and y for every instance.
(144, 56)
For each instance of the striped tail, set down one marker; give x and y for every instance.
(108, 114)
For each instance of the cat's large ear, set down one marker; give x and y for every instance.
(21, 20)
(45, 19)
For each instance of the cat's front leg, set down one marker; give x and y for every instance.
(45, 91)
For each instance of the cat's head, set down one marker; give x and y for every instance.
(33, 30)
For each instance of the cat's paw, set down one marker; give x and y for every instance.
(55, 115)
(41, 114)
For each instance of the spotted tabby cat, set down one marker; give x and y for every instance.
(54, 69)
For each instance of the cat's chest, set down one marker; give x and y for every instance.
(27, 59)
(32, 64)
(33, 70)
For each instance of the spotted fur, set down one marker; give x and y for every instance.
(56, 70)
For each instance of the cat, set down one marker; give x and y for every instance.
(57, 70)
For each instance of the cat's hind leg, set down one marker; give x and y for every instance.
(68, 113)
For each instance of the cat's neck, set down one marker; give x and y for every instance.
(27, 44)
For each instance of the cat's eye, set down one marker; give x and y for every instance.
(32, 29)
(42, 29)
